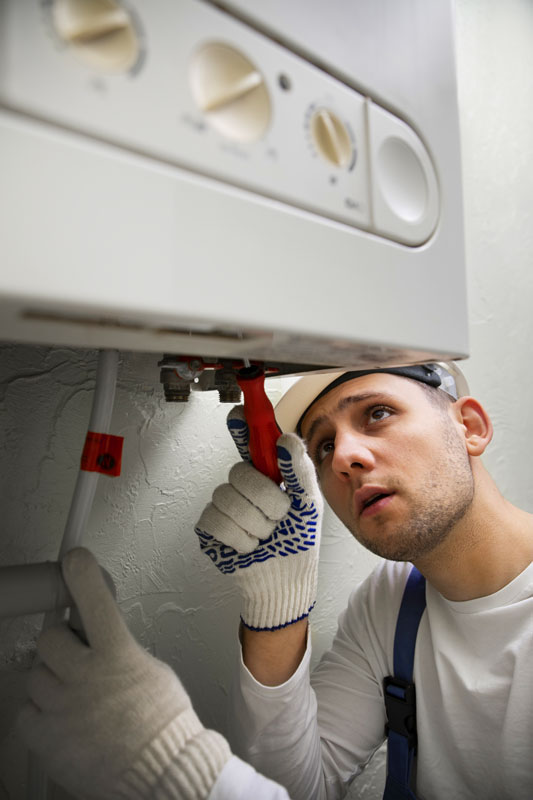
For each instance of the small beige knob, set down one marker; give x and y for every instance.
(230, 91)
(331, 138)
(100, 32)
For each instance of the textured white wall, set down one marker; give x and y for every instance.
(495, 71)
(141, 525)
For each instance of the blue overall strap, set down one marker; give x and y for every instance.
(399, 691)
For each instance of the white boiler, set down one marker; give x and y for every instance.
(276, 181)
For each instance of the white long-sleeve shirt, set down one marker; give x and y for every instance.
(473, 673)
(240, 781)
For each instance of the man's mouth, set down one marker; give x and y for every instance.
(370, 500)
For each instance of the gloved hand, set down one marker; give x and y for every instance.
(267, 538)
(108, 719)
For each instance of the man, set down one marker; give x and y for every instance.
(399, 463)
(398, 460)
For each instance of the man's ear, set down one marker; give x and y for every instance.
(476, 424)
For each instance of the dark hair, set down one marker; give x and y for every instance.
(436, 397)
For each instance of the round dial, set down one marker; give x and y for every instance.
(231, 91)
(100, 32)
(331, 138)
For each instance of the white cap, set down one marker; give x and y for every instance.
(445, 375)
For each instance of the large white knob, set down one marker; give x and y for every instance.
(331, 138)
(231, 91)
(100, 32)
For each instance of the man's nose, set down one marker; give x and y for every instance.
(352, 453)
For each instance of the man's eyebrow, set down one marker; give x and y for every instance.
(343, 403)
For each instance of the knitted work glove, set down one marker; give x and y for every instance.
(108, 719)
(266, 538)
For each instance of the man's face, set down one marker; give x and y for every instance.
(391, 463)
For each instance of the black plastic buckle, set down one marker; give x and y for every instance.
(401, 708)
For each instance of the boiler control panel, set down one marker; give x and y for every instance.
(197, 88)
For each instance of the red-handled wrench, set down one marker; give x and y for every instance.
(262, 425)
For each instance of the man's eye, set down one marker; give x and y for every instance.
(322, 450)
(378, 414)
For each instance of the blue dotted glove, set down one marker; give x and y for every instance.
(266, 537)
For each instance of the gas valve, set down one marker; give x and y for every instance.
(182, 373)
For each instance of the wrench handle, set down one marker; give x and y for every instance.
(262, 425)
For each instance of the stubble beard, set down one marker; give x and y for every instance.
(443, 502)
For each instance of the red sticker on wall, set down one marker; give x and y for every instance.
(102, 453)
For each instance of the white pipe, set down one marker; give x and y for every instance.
(80, 507)
(99, 422)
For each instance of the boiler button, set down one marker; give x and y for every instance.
(405, 199)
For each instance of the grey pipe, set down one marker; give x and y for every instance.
(34, 588)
